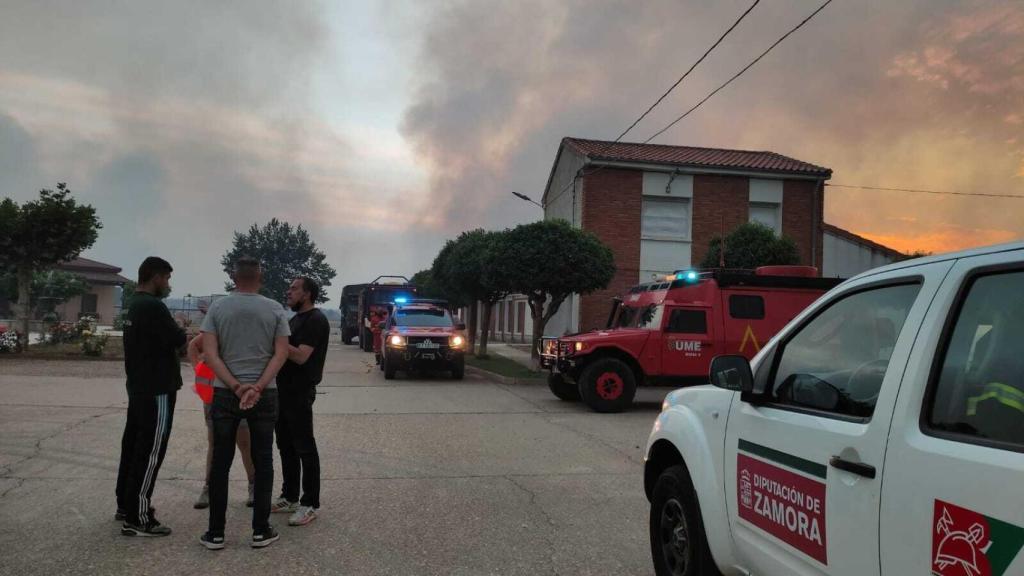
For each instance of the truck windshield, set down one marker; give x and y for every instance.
(645, 317)
(423, 317)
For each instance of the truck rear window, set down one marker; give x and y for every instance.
(979, 392)
(746, 307)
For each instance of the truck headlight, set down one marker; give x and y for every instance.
(458, 341)
(396, 340)
(579, 346)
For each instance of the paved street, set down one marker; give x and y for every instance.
(421, 476)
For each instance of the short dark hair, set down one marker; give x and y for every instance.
(311, 286)
(246, 268)
(152, 266)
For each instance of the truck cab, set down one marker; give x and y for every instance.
(667, 332)
(350, 324)
(881, 432)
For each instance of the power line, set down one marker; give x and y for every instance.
(741, 72)
(683, 77)
(609, 145)
(919, 191)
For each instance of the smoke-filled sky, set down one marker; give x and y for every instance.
(387, 127)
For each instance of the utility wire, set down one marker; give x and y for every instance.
(919, 191)
(683, 77)
(609, 145)
(741, 72)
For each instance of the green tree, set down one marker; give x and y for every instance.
(913, 255)
(426, 286)
(127, 291)
(39, 234)
(548, 261)
(751, 245)
(285, 253)
(53, 287)
(464, 271)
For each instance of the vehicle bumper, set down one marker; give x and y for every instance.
(413, 359)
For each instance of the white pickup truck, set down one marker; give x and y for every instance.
(880, 432)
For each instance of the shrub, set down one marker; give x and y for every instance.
(59, 333)
(9, 341)
(93, 344)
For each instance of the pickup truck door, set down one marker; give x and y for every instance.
(804, 457)
(953, 490)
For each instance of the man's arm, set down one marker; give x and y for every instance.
(195, 349)
(214, 361)
(169, 330)
(278, 360)
(300, 354)
(317, 335)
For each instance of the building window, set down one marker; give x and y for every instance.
(89, 302)
(766, 213)
(665, 219)
(665, 237)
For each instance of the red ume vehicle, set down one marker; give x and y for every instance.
(667, 332)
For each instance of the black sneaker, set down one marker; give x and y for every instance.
(212, 542)
(265, 537)
(151, 530)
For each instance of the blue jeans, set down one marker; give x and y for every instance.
(227, 414)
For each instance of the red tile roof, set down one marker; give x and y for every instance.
(93, 272)
(695, 157)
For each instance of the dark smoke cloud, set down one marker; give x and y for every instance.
(927, 93)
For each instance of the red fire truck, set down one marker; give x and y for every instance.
(667, 332)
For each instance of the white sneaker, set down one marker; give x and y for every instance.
(304, 515)
(283, 505)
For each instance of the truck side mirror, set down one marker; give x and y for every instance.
(460, 326)
(732, 373)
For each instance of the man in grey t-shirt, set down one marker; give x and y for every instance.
(245, 339)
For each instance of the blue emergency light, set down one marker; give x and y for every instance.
(401, 300)
(689, 276)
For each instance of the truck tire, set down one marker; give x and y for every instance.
(679, 545)
(366, 340)
(567, 391)
(388, 368)
(459, 369)
(346, 336)
(607, 385)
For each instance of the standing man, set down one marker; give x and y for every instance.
(151, 342)
(245, 340)
(296, 383)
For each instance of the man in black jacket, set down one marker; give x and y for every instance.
(151, 342)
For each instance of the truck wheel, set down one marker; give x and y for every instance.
(607, 385)
(346, 336)
(679, 545)
(459, 370)
(388, 368)
(567, 391)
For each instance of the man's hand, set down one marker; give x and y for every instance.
(249, 395)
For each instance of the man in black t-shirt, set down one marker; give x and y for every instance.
(296, 384)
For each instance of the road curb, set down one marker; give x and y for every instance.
(506, 380)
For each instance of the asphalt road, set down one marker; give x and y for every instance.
(420, 476)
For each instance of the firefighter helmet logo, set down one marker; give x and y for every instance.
(966, 543)
(959, 549)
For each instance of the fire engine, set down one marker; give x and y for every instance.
(667, 332)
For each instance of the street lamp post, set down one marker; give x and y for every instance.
(528, 199)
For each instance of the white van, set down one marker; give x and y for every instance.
(880, 432)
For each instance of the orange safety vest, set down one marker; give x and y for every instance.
(204, 382)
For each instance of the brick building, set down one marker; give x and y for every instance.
(658, 207)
